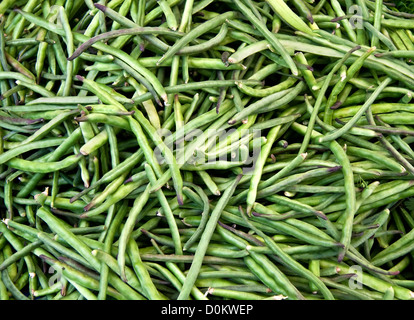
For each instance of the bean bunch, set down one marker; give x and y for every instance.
(207, 150)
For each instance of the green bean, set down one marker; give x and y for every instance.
(285, 170)
(350, 73)
(12, 270)
(349, 124)
(370, 281)
(135, 126)
(75, 276)
(148, 105)
(8, 283)
(293, 179)
(396, 249)
(19, 254)
(107, 238)
(206, 45)
(110, 189)
(36, 88)
(296, 205)
(169, 15)
(5, 5)
(204, 240)
(121, 193)
(16, 243)
(232, 294)
(20, 67)
(194, 86)
(12, 153)
(100, 46)
(393, 151)
(84, 250)
(131, 279)
(376, 157)
(112, 120)
(194, 33)
(266, 91)
(166, 152)
(286, 13)
(268, 35)
(264, 153)
(42, 167)
(116, 34)
(292, 263)
(142, 272)
(45, 129)
(125, 234)
(71, 139)
(269, 103)
(248, 50)
(109, 176)
(297, 228)
(204, 215)
(258, 264)
(69, 45)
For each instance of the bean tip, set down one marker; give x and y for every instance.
(72, 57)
(337, 19)
(336, 105)
(231, 60)
(321, 215)
(160, 61)
(340, 244)
(128, 180)
(334, 169)
(355, 48)
(341, 255)
(88, 206)
(84, 153)
(100, 7)
(249, 209)
(180, 199)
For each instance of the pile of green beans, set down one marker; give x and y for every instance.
(206, 150)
